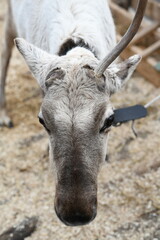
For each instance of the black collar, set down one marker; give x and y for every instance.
(70, 44)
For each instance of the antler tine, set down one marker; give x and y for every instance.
(132, 30)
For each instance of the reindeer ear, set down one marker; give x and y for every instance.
(118, 74)
(37, 60)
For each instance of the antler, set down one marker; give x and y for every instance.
(132, 30)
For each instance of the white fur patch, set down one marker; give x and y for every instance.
(49, 23)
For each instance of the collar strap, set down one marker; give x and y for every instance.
(70, 44)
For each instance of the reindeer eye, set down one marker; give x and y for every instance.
(108, 123)
(43, 123)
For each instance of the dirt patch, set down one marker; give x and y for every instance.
(129, 183)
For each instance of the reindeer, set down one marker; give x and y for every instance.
(68, 47)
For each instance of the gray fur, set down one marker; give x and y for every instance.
(75, 106)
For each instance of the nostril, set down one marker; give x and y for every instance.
(78, 219)
(75, 218)
(76, 213)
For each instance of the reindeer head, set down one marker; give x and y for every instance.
(77, 114)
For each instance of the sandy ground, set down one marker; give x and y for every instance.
(129, 184)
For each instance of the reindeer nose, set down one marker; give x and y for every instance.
(75, 215)
(77, 219)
